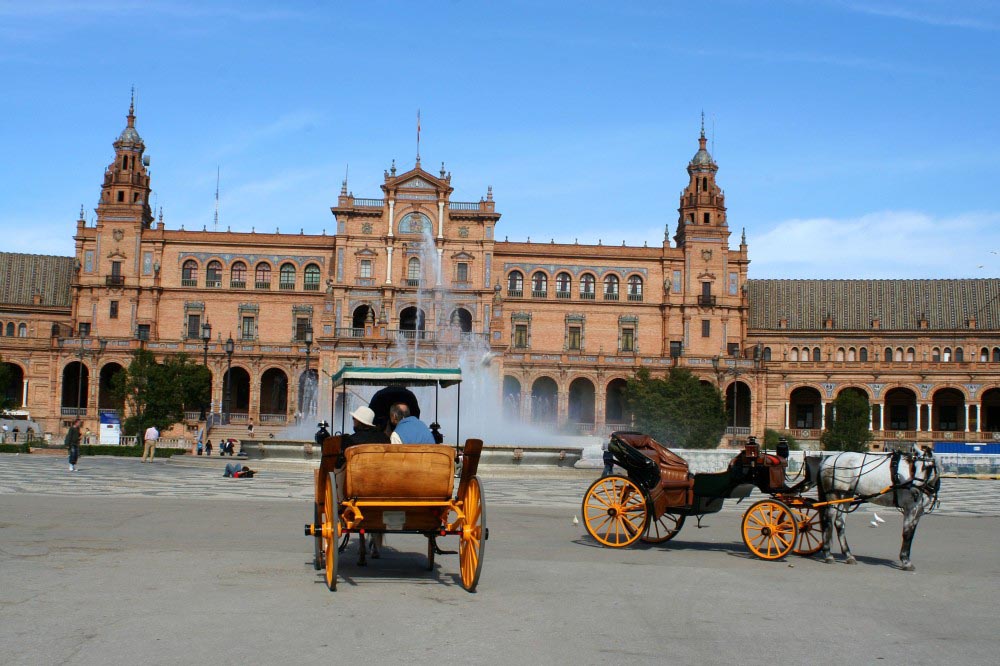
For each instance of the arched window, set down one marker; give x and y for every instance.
(959, 355)
(794, 354)
(587, 286)
(413, 272)
(996, 350)
(984, 355)
(817, 356)
(213, 274)
(286, 277)
(946, 355)
(887, 357)
(634, 288)
(189, 273)
(10, 329)
(22, 330)
(911, 353)
(767, 353)
(238, 276)
(863, 354)
(1, 329)
(840, 354)
(899, 354)
(539, 284)
(515, 283)
(563, 285)
(262, 276)
(936, 355)
(611, 288)
(852, 355)
(312, 278)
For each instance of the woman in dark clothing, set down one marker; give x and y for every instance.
(72, 442)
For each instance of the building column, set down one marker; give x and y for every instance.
(871, 416)
(787, 407)
(919, 409)
(822, 415)
(979, 416)
(388, 264)
(440, 221)
(440, 266)
(392, 207)
(966, 417)
(24, 394)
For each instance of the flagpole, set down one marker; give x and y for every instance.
(418, 135)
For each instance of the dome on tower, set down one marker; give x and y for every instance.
(129, 135)
(702, 158)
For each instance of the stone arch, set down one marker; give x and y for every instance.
(13, 394)
(863, 390)
(989, 410)
(411, 320)
(273, 392)
(75, 387)
(511, 397)
(236, 391)
(361, 315)
(106, 382)
(616, 409)
(461, 319)
(309, 391)
(900, 409)
(948, 409)
(544, 400)
(581, 400)
(739, 397)
(804, 404)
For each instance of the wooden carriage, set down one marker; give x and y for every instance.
(651, 501)
(370, 489)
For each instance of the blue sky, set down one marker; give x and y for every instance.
(855, 139)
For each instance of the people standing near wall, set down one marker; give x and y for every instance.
(72, 442)
(149, 447)
(250, 429)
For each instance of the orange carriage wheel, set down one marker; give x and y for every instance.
(614, 511)
(474, 535)
(810, 530)
(331, 533)
(663, 529)
(318, 538)
(769, 529)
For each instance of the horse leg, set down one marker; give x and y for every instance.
(842, 537)
(827, 525)
(362, 554)
(911, 516)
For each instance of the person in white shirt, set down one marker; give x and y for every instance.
(152, 434)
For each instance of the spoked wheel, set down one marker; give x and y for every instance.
(614, 511)
(318, 540)
(769, 529)
(331, 533)
(474, 535)
(810, 530)
(663, 529)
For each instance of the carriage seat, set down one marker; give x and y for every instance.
(400, 471)
(717, 484)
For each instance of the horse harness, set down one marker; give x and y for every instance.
(924, 486)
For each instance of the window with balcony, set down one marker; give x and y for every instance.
(588, 286)
(635, 288)
(213, 274)
(676, 348)
(84, 330)
(413, 272)
(189, 273)
(515, 284)
(311, 278)
(706, 299)
(262, 276)
(733, 349)
(238, 276)
(286, 277)
(611, 288)
(539, 285)
(563, 285)
(248, 328)
(193, 326)
(142, 332)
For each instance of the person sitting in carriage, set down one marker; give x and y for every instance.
(365, 431)
(385, 398)
(408, 429)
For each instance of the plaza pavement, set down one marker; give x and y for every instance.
(124, 563)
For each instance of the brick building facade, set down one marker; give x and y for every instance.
(413, 276)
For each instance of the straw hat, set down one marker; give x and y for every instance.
(364, 415)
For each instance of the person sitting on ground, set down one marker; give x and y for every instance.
(386, 398)
(237, 471)
(408, 429)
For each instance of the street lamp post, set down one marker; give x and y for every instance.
(230, 346)
(309, 341)
(206, 336)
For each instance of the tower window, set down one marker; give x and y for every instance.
(121, 195)
(704, 184)
(113, 314)
(708, 218)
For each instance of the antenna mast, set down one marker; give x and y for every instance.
(216, 224)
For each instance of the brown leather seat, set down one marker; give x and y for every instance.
(400, 471)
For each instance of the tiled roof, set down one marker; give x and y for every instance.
(24, 275)
(899, 305)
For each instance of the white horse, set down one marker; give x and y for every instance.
(908, 481)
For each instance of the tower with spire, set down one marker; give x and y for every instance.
(702, 211)
(125, 192)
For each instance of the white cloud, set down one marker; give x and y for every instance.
(887, 244)
(947, 15)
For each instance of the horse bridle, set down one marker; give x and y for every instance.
(930, 484)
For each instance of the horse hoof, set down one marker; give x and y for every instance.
(828, 559)
(908, 567)
(851, 560)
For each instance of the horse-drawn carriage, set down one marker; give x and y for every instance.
(658, 492)
(373, 489)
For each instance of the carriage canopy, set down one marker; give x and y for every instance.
(362, 376)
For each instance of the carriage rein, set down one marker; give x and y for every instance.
(925, 485)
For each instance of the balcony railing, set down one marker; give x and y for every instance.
(539, 294)
(261, 285)
(311, 286)
(273, 418)
(114, 280)
(411, 335)
(192, 416)
(185, 282)
(463, 205)
(515, 293)
(588, 295)
(213, 284)
(739, 431)
(611, 296)
(635, 298)
(286, 286)
(706, 301)
(73, 411)
(563, 294)
(365, 281)
(238, 284)
(411, 282)
(369, 203)
(461, 284)
(349, 332)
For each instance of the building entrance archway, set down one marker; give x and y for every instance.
(544, 400)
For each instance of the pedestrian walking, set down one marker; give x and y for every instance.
(150, 438)
(250, 428)
(609, 460)
(72, 443)
(3, 437)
